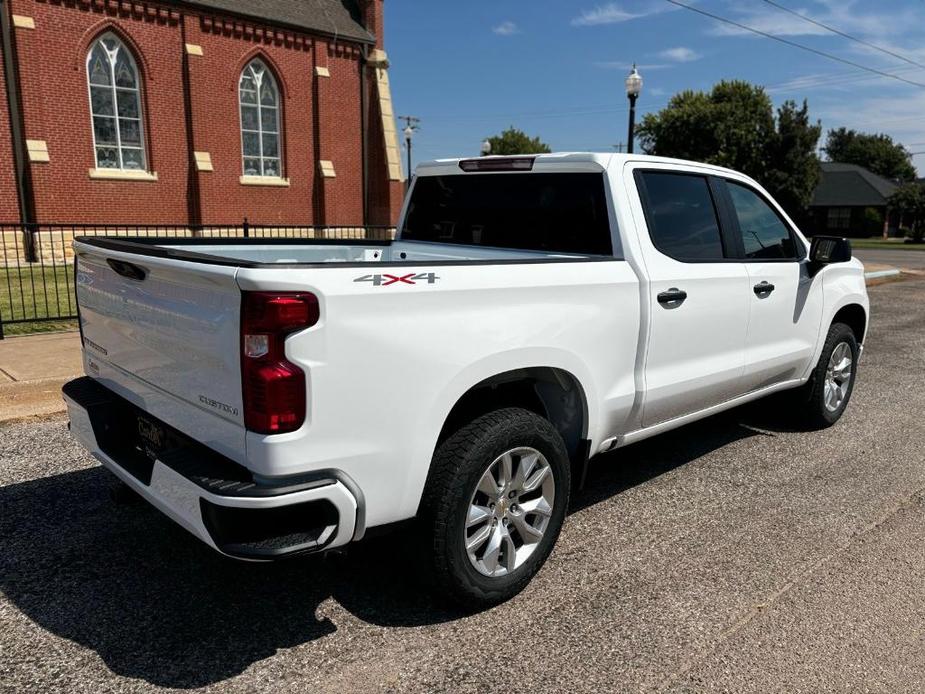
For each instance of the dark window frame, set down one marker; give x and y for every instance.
(736, 231)
(837, 225)
(720, 209)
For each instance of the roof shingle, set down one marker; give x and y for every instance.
(333, 17)
(850, 185)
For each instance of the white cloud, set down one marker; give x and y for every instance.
(840, 14)
(680, 54)
(899, 118)
(506, 29)
(848, 81)
(615, 13)
(611, 13)
(775, 23)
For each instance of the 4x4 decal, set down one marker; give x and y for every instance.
(384, 280)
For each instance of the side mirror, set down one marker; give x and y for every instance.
(824, 250)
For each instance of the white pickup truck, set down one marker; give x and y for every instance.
(277, 397)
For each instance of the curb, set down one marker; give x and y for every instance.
(31, 400)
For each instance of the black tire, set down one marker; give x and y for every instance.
(812, 412)
(458, 465)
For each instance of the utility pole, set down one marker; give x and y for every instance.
(618, 146)
(411, 124)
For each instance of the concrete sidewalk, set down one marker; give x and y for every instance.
(32, 370)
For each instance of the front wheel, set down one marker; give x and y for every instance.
(826, 396)
(494, 504)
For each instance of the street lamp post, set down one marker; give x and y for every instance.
(485, 149)
(633, 88)
(409, 131)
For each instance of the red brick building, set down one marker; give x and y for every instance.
(130, 111)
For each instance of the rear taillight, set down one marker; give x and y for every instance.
(274, 388)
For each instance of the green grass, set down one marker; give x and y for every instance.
(33, 291)
(887, 245)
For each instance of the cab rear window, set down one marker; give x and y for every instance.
(555, 212)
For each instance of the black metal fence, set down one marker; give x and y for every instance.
(37, 262)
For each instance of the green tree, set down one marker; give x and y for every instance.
(792, 165)
(909, 201)
(876, 152)
(514, 141)
(734, 125)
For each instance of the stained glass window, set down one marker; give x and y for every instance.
(258, 97)
(115, 105)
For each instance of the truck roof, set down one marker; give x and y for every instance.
(558, 161)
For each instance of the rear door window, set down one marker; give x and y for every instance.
(764, 233)
(555, 212)
(681, 216)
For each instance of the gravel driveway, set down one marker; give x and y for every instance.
(731, 555)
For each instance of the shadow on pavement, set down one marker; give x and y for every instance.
(158, 605)
(612, 473)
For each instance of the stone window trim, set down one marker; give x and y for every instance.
(115, 91)
(261, 115)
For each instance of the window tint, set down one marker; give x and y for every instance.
(681, 216)
(764, 234)
(559, 212)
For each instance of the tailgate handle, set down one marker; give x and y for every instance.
(125, 269)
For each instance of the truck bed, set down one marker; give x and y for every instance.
(263, 252)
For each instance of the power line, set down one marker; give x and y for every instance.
(411, 122)
(844, 35)
(810, 81)
(794, 44)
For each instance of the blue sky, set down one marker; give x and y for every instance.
(556, 69)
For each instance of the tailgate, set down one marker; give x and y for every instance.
(164, 333)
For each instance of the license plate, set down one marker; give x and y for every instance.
(151, 436)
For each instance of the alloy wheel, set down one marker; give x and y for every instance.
(509, 511)
(837, 377)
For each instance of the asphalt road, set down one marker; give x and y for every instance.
(912, 260)
(732, 555)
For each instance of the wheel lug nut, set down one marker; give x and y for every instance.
(511, 495)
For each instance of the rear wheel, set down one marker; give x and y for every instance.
(494, 505)
(826, 396)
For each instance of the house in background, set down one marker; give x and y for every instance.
(851, 201)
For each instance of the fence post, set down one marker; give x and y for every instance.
(247, 228)
(28, 243)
